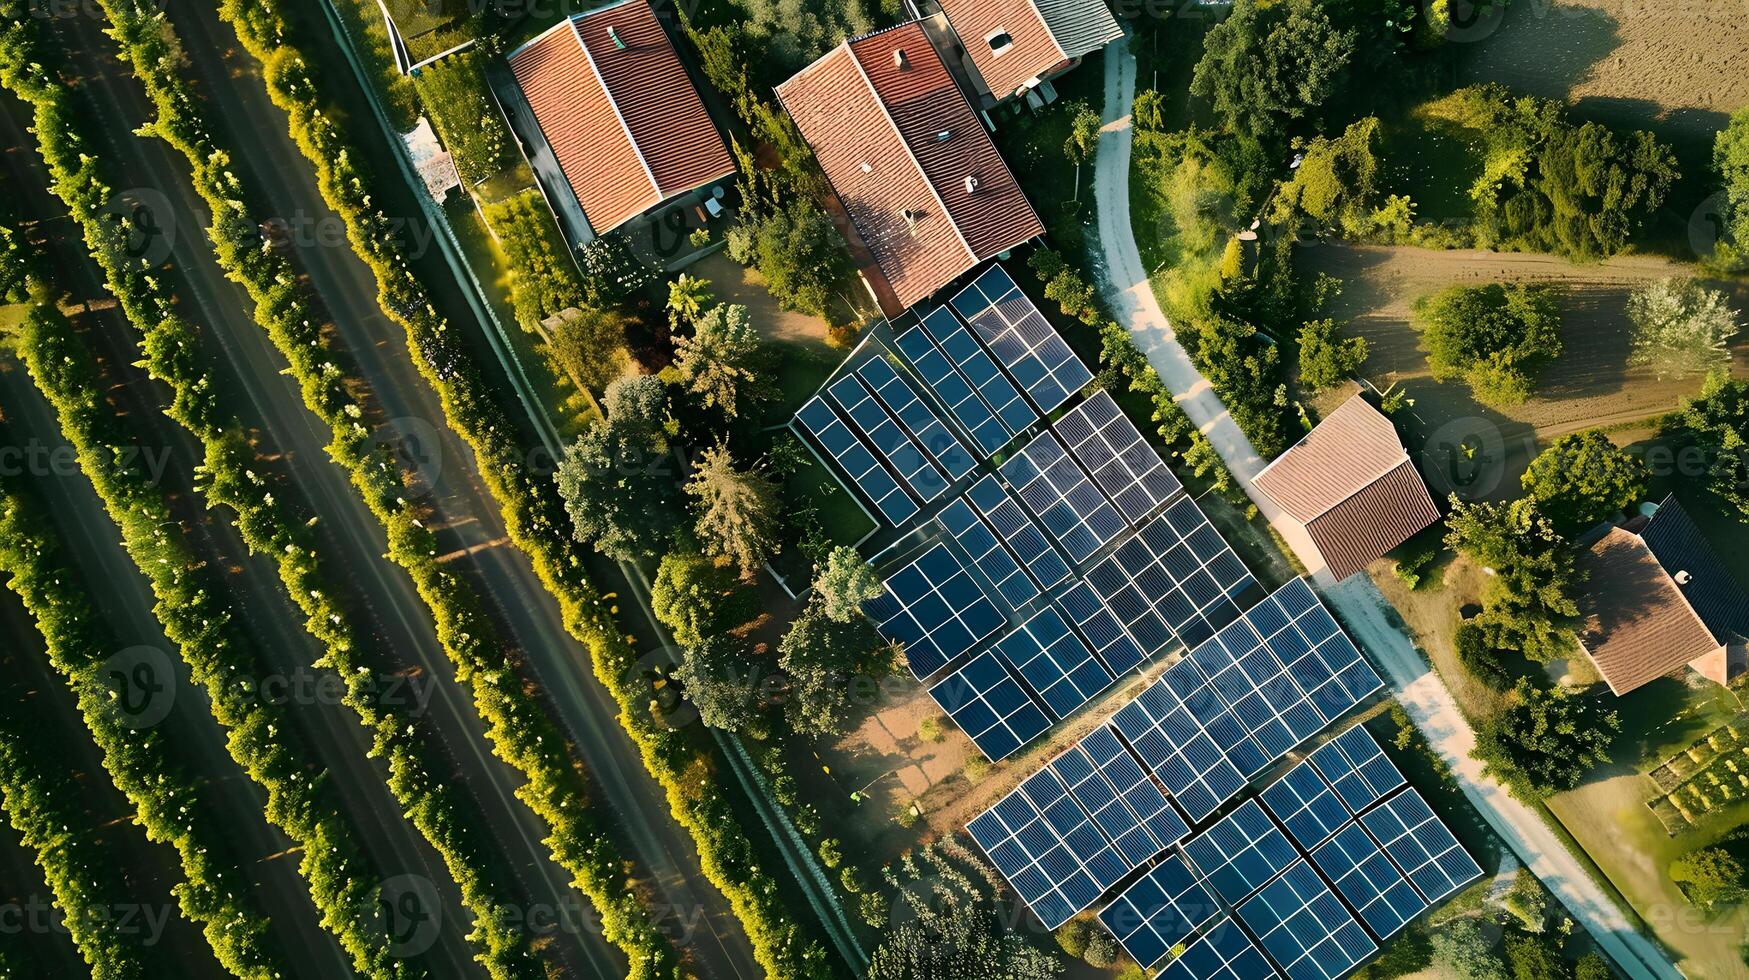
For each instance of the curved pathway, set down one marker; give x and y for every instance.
(1357, 601)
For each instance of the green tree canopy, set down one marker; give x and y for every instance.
(1326, 357)
(1731, 165)
(691, 594)
(1269, 64)
(1149, 111)
(1681, 327)
(1584, 478)
(618, 483)
(739, 511)
(687, 297)
(1461, 947)
(1497, 338)
(1709, 877)
(722, 682)
(589, 345)
(961, 939)
(1527, 603)
(721, 362)
(638, 405)
(1718, 421)
(1083, 138)
(1545, 741)
(1336, 183)
(799, 252)
(823, 659)
(844, 582)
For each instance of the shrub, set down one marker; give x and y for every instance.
(831, 852)
(1495, 338)
(543, 276)
(1710, 877)
(1681, 328)
(799, 252)
(1478, 656)
(1583, 479)
(1101, 951)
(930, 730)
(976, 768)
(453, 91)
(1544, 742)
(1326, 357)
(1072, 937)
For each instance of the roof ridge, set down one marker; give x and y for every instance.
(1050, 32)
(613, 103)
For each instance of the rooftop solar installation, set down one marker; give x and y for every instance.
(857, 462)
(1106, 442)
(936, 609)
(1099, 625)
(1368, 881)
(1240, 852)
(1047, 847)
(1356, 769)
(1224, 953)
(1055, 662)
(1306, 806)
(1036, 554)
(1421, 846)
(1188, 740)
(1129, 839)
(1160, 911)
(923, 424)
(990, 706)
(1174, 581)
(922, 477)
(1304, 928)
(969, 531)
(1150, 806)
(957, 393)
(969, 357)
(1067, 503)
(1022, 339)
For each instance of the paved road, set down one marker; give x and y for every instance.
(1356, 600)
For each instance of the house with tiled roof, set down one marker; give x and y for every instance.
(618, 113)
(1656, 598)
(910, 161)
(1013, 48)
(1353, 487)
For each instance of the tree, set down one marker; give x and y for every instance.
(1269, 64)
(821, 657)
(1083, 139)
(1149, 111)
(844, 582)
(1495, 337)
(1592, 966)
(1681, 328)
(687, 298)
(960, 940)
(1101, 952)
(721, 683)
(589, 345)
(1461, 947)
(1326, 357)
(1582, 479)
(1545, 741)
(1718, 421)
(1709, 877)
(1731, 164)
(1478, 655)
(1335, 185)
(691, 594)
(638, 405)
(617, 481)
(1533, 958)
(739, 511)
(720, 362)
(1072, 937)
(799, 252)
(1526, 604)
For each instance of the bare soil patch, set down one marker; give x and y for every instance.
(732, 282)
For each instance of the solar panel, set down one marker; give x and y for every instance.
(1173, 582)
(988, 555)
(1224, 953)
(1055, 662)
(936, 609)
(1304, 928)
(1159, 911)
(1067, 503)
(1047, 847)
(954, 390)
(990, 706)
(1133, 786)
(1368, 881)
(1018, 531)
(1099, 625)
(1421, 845)
(969, 358)
(1128, 838)
(924, 426)
(1022, 339)
(1356, 768)
(1305, 805)
(1111, 448)
(915, 471)
(1182, 733)
(1241, 851)
(857, 462)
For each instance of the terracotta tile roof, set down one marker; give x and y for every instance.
(625, 123)
(1637, 627)
(1045, 36)
(898, 142)
(1352, 485)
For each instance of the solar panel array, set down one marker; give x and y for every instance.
(856, 460)
(1095, 620)
(920, 421)
(1421, 845)
(1368, 881)
(955, 391)
(1132, 841)
(1175, 581)
(901, 453)
(1022, 340)
(1356, 769)
(987, 703)
(1048, 848)
(1240, 852)
(1054, 662)
(1019, 532)
(1306, 806)
(988, 555)
(936, 609)
(1108, 444)
(1189, 739)
(1067, 503)
(969, 358)
(1305, 928)
(1160, 911)
(1224, 953)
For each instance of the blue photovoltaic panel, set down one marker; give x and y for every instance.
(1224, 953)
(990, 706)
(1128, 838)
(882, 431)
(1241, 851)
(1022, 339)
(1421, 845)
(1022, 536)
(1186, 737)
(969, 357)
(1368, 881)
(857, 462)
(935, 609)
(1067, 503)
(1054, 662)
(1304, 804)
(1159, 911)
(987, 554)
(925, 427)
(1133, 786)
(1356, 768)
(1111, 448)
(1174, 582)
(1047, 847)
(1304, 928)
(1317, 654)
(1099, 625)
(949, 385)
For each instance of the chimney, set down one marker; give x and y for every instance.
(899, 59)
(912, 216)
(1682, 577)
(971, 184)
(867, 168)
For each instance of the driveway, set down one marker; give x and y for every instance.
(1356, 601)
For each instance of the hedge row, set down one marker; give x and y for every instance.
(45, 805)
(520, 730)
(533, 513)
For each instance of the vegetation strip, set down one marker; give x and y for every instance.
(532, 512)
